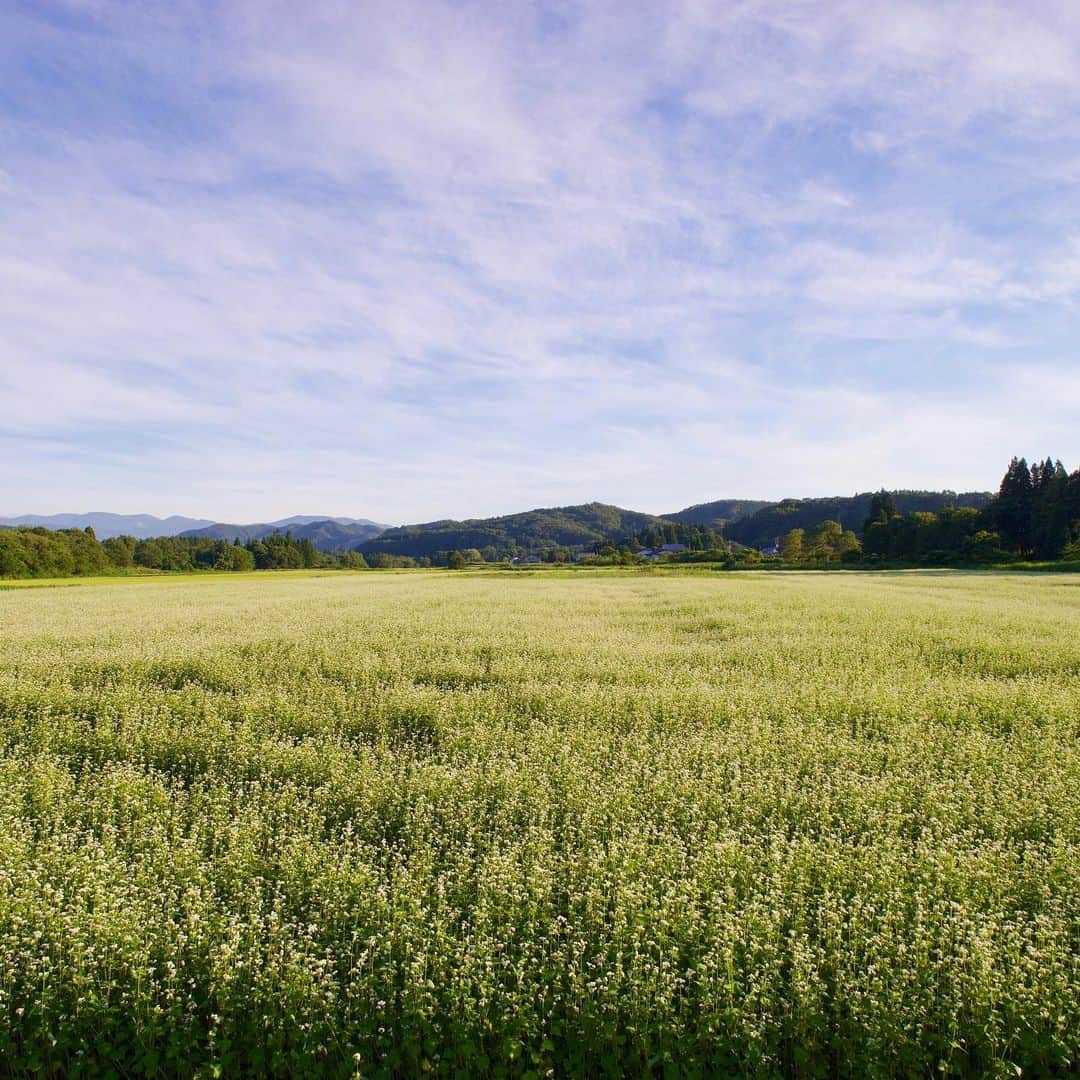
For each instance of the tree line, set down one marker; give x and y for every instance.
(695, 536)
(1035, 516)
(37, 552)
(32, 552)
(761, 528)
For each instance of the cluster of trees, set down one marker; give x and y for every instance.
(1037, 510)
(827, 542)
(280, 551)
(457, 558)
(34, 551)
(41, 552)
(383, 561)
(176, 553)
(696, 536)
(761, 527)
(955, 535)
(1034, 515)
(28, 552)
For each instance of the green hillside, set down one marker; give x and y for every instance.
(532, 531)
(718, 514)
(775, 519)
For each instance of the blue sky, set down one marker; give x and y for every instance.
(406, 261)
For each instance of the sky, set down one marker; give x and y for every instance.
(419, 260)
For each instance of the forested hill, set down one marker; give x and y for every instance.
(754, 523)
(775, 519)
(502, 537)
(717, 515)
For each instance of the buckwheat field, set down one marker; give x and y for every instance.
(604, 823)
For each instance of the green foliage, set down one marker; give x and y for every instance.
(1013, 506)
(235, 558)
(793, 549)
(382, 561)
(984, 547)
(828, 542)
(882, 509)
(1071, 551)
(742, 557)
(1033, 515)
(695, 536)
(120, 551)
(531, 532)
(777, 519)
(716, 515)
(1036, 509)
(39, 552)
(280, 551)
(951, 537)
(456, 561)
(607, 824)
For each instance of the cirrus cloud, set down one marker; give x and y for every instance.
(452, 259)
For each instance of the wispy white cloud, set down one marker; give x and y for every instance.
(420, 259)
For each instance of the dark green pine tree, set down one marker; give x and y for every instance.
(1013, 507)
(1050, 520)
(882, 509)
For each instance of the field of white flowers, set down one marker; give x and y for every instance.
(608, 823)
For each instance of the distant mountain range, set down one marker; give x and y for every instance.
(751, 522)
(327, 534)
(141, 526)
